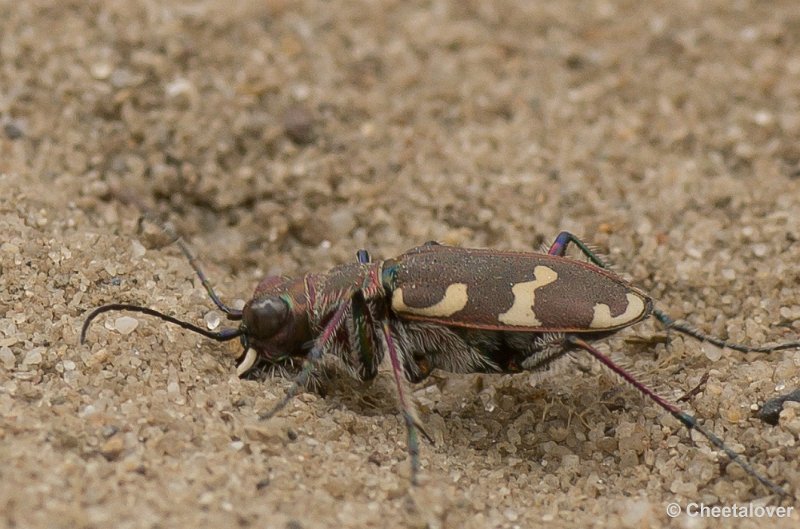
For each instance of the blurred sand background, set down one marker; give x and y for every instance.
(280, 137)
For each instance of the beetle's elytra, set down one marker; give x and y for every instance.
(438, 307)
(510, 291)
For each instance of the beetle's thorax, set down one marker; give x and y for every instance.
(324, 293)
(309, 302)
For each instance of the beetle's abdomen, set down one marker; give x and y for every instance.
(510, 291)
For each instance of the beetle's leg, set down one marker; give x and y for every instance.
(312, 359)
(363, 339)
(559, 248)
(364, 323)
(369, 353)
(687, 420)
(684, 328)
(406, 407)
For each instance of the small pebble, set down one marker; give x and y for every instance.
(6, 342)
(763, 118)
(770, 411)
(298, 123)
(635, 513)
(180, 87)
(212, 319)
(125, 324)
(112, 448)
(206, 498)
(97, 358)
(137, 249)
(101, 70)
(342, 223)
(33, 357)
(7, 357)
(13, 130)
(712, 352)
(760, 250)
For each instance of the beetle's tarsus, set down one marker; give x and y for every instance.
(683, 328)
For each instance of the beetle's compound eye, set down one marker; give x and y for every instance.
(265, 317)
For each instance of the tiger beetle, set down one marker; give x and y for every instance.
(441, 307)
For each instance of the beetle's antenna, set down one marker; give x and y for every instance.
(128, 197)
(221, 336)
(233, 314)
(687, 420)
(684, 328)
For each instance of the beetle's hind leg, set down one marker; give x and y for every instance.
(536, 352)
(689, 421)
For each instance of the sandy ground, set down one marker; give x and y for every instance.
(280, 137)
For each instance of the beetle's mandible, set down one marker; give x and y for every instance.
(439, 307)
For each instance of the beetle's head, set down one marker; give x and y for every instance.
(264, 318)
(266, 335)
(270, 329)
(274, 327)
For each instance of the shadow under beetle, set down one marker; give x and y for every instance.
(440, 307)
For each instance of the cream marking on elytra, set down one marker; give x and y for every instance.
(455, 298)
(521, 312)
(604, 320)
